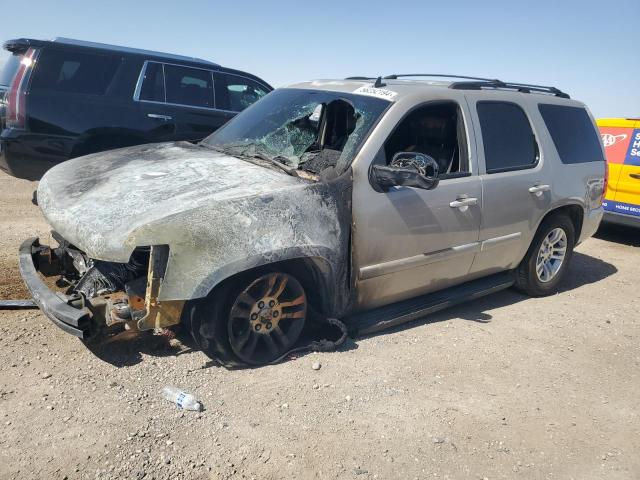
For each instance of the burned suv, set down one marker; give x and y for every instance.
(370, 202)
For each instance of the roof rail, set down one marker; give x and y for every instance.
(444, 75)
(476, 83)
(520, 87)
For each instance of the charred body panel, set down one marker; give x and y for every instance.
(219, 215)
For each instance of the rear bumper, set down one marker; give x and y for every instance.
(590, 223)
(55, 306)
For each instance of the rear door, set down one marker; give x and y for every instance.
(178, 102)
(515, 181)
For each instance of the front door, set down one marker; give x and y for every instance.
(409, 241)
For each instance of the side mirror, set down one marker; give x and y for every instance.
(408, 169)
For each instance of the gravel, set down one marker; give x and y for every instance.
(503, 387)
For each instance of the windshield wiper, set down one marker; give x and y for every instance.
(275, 161)
(272, 160)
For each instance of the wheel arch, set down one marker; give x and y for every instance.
(574, 211)
(315, 273)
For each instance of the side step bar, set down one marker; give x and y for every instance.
(372, 321)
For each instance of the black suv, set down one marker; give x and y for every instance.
(69, 98)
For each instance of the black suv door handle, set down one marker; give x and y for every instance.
(159, 117)
(635, 175)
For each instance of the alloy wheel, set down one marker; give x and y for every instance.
(551, 255)
(267, 318)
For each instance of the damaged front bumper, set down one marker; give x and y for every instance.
(91, 306)
(65, 311)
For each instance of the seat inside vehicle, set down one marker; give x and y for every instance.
(436, 130)
(337, 121)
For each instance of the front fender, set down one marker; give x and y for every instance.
(208, 245)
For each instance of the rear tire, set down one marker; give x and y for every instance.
(546, 262)
(253, 320)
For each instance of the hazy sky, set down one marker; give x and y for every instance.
(584, 48)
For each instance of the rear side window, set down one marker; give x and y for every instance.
(189, 86)
(153, 83)
(74, 72)
(573, 133)
(509, 143)
(243, 92)
(9, 70)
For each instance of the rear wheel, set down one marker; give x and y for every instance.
(253, 321)
(548, 257)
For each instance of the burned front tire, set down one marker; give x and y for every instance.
(251, 321)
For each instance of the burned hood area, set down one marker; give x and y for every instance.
(217, 214)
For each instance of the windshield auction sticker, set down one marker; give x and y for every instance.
(376, 92)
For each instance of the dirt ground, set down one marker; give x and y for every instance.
(501, 388)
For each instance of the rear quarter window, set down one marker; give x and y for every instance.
(9, 70)
(573, 133)
(74, 72)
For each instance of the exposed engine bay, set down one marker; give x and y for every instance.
(116, 294)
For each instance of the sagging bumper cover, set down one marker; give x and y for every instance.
(57, 307)
(86, 313)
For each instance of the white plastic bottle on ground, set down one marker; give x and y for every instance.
(182, 399)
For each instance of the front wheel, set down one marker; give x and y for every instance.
(546, 262)
(253, 321)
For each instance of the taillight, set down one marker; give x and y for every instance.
(17, 96)
(606, 180)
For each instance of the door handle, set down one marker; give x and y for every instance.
(538, 190)
(635, 175)
(463, 202)
(159, 117)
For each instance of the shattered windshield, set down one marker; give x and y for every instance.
(309, 130)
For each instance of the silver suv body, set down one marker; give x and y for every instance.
(371, 202)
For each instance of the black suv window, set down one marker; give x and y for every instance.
(153, 83)
(572, 132)
(509, 143)
(243, 92)
(189, 86)
(74, 72)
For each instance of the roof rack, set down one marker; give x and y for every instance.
(20, 45)
(520, 87)
(477, 83)
(444, 75)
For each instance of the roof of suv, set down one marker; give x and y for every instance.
(23, 43)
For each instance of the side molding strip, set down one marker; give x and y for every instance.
(498, 241)
(379, 269)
